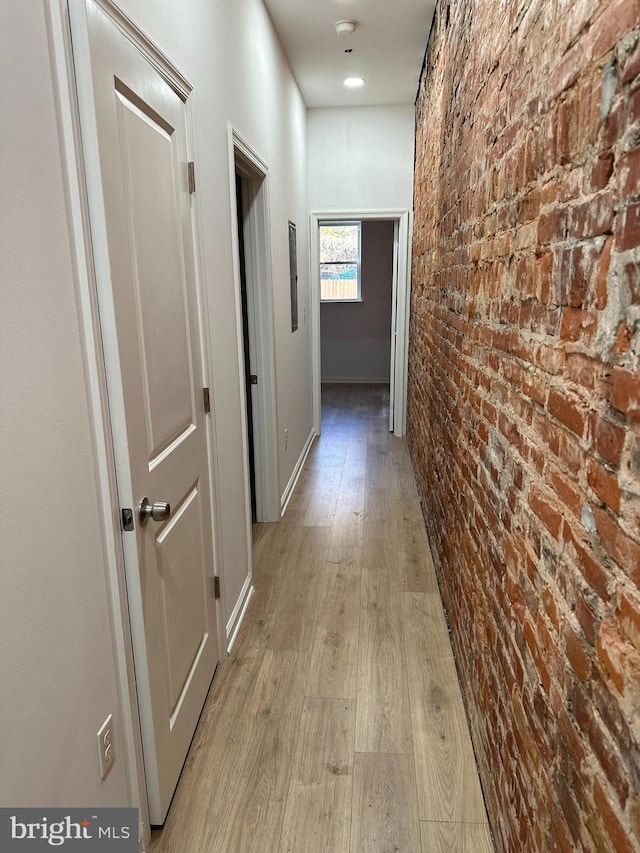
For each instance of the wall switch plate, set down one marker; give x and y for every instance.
(106, 746)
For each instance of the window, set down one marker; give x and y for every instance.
(340, 261)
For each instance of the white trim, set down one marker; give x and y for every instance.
(286, 495)
(403, 306)
(394, 324)
(199, 266)
(237, 617)
(63, 60)
(152, 53)
(405, 223)
(257, 236)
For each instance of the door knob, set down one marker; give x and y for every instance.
(158, 511)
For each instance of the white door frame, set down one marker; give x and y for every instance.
(106, 410)
(394, 324)
(75, 183)
(402, 287)
(257, 231)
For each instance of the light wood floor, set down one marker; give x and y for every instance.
(337, 723)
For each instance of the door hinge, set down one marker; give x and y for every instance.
(216, 586)
(253, 379)
(191, 166)
(207, 401)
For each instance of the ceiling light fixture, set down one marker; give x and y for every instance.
(354, 82)
(345, 28)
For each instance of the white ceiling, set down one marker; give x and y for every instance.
(388, 48)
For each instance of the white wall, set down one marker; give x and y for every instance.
(229, 52)
(356, 336)
(361, 158)
(57, 651)
(57, 667)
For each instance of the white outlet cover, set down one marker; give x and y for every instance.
(106, 746)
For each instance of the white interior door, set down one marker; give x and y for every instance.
(140, 210)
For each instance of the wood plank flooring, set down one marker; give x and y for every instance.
(337, 723)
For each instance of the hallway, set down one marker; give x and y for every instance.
(337, 723)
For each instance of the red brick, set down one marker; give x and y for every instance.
(625, 392)
(578, 325)
(529, 206)
(632, 66)
(567, 72)
(602, 744)
(536, 654)
(546, 513)
(568, 494)
(622, 548)
(629, 618)
(603, 273)
(628, 228)
(634, 817)
(578, 658)
(519, 426)
(615, 832)
(609, 440)
(623, 340)
(543, 270)
(614, 22)
(568, 412)
(569, 809)
(586, 617)
(550, 193)
(577, 264)
(605, 485)
(592, 217)
(632, 280)
(552, 227)
(590, 568)
(629, 173)
(571, 454)
(615, 654)
(602, 170)
(585, 371)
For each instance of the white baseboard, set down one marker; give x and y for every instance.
(286, 495)
(234, 623)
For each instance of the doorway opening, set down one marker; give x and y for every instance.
(254, 305)
(363, 338)
(249, 378)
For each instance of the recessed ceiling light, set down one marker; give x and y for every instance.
(354, 82)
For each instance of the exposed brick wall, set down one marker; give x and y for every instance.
(524, 400)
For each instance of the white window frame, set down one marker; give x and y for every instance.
(351, 222)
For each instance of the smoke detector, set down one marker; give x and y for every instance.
(345, 28)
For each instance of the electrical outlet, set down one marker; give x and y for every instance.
(286, 438)
(106, 746)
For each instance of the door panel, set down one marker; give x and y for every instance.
(148, 290)
(148, 150)
(179, 555)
